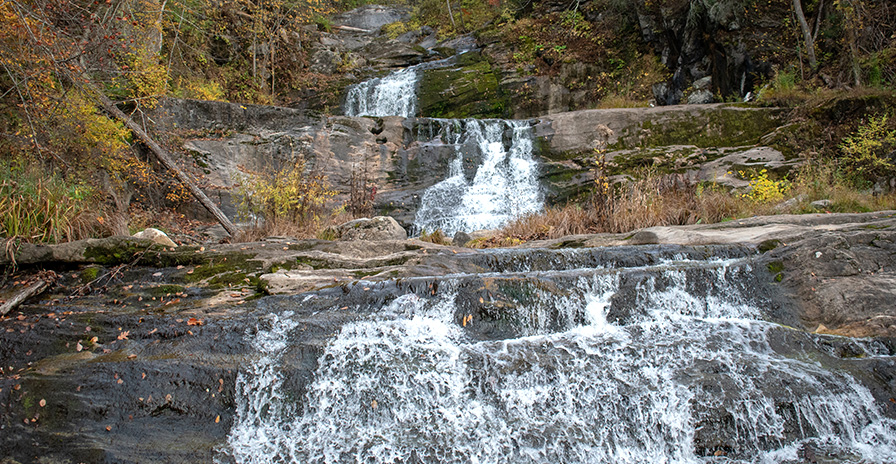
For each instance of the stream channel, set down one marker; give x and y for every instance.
(652, 354)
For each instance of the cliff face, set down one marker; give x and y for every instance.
(402, 157)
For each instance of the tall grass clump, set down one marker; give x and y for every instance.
(285, 202)
(40, 207)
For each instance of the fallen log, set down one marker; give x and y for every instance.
(34, 289)
(352, 29)
(162, 156)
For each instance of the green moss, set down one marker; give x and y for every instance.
(726, 126)
(770, 245)
(364, 273)
(314, 263)
(112, 252)
(221, 264)
(164, 290)
(89, 274)
(235, 279)
(469, 91)
(776, 268)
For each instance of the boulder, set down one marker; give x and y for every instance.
(393, 54)
(156, 236)
(821, 205)
(372, 17)
(461, 238)
(376, 228)
(704, 83)
(700, 97)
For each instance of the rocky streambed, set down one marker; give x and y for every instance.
(142, 353)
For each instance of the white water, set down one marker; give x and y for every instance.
(504, 187)
(408, 384)
(392, 95)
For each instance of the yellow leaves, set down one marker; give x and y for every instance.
(289, 194)
(763, 189)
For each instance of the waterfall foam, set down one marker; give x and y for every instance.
(690, 374)
(504, 187)
(391, 95)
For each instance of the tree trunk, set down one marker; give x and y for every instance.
(807, 33)
(162, 156)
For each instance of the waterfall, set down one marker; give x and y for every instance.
(664, 363)
(392, 95)
(504, 187)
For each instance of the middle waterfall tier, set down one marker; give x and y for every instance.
(503, 186)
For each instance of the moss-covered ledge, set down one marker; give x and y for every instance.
(468, 90)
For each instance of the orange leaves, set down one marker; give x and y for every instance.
(194, 321)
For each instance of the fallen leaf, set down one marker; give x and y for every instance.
(217, 419)
(108, 428)
(194, 321)
(190, 271)
(373, 404)
(157, 274)
(42, 402)
(152, 331)
(94, 340)
(120, 381)
(78, 347)
(168, 398)
(132, 356)
(143, 375)
(124, 335)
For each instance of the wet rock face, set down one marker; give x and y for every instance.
(847, 283)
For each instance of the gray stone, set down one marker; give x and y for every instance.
(821, 205)
(700, 97)
(372, 17)
(785, 205)
(376, 228)
(704, 83)
(461, 238)
(461, 43)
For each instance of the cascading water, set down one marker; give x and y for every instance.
(504, 187)
(392, 95)
(664, 363)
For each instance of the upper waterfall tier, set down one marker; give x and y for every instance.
(392, 95)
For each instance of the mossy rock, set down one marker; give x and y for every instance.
(468, 91)
(727, 126)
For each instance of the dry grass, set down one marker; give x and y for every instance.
(286, 228)
(621, 101)
(672, 200)
(438, 237)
